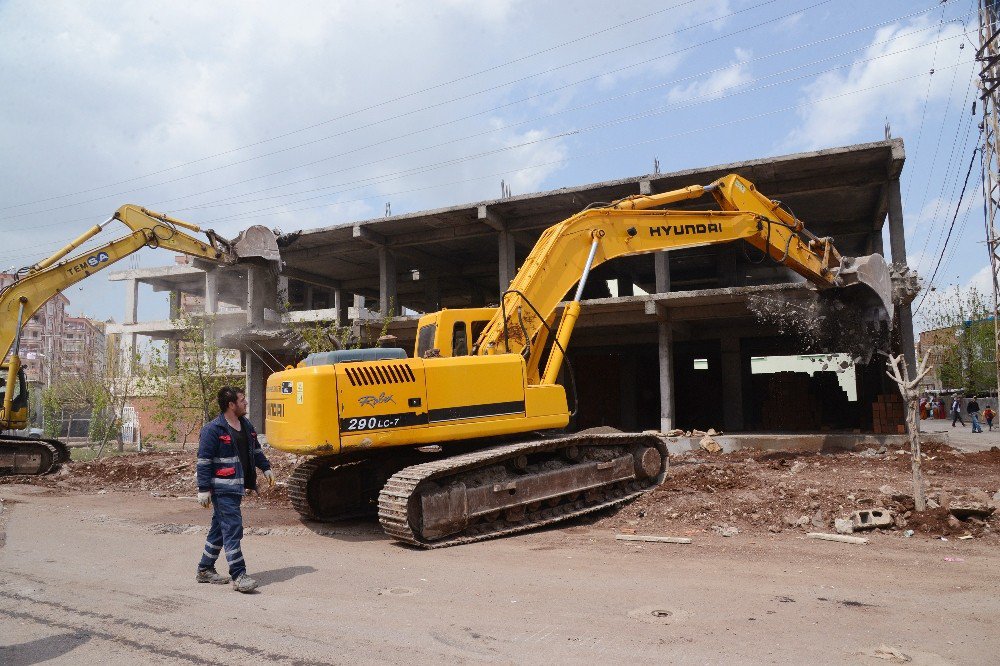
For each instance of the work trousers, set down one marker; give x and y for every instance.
(226, 532)
(976, 426)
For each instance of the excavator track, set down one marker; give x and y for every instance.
(346, 485)
(518, 487)
(25, 456)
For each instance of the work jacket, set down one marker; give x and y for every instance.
(219, 468)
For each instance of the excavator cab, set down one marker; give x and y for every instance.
(451, 332)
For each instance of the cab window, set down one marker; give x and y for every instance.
(425, 339)
(459, 340)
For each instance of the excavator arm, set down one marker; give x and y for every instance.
(568, 251)
(38, 283)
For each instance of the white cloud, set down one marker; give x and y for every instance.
(841, 107)
(96, 94)
(717, 84)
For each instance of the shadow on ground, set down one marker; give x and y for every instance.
(281, 575)
(41, 650)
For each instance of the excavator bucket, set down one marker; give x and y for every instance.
(257, 242)
(868, 286)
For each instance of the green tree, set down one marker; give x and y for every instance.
(184, 380)
(959, 327)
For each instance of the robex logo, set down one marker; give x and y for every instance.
(684, 229)
(93, 261)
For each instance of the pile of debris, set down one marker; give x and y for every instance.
(762, 492)
(161, 473)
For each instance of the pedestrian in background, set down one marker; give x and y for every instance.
(228, 455)
(973, 409)
(956, 411)
(989, 415)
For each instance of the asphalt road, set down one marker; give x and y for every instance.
(109, 579)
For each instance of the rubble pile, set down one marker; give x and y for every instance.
(162, 473)
(762, 492)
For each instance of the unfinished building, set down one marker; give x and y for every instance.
(664, 340)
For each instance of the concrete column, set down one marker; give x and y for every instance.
(128, 342)
(282, 293)
(211, 292)
(175, 304)
(432, 294)
(131, 301)
(256, 376)
(359, 304)
(256, 296)
(661, 268)
(340, 307)
(173, 348)
(665, 336)
(732, 384)
(897, 245)
(508, 260)
(308, 297)
(388, 298)
(625, 286)
(897, 238)
(627, 387)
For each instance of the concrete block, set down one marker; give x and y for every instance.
(870, 519)
(844, 525)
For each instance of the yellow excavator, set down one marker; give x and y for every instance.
(436, 443)
(36, 284)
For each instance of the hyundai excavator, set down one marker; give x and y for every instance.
(36, 284)
(446, 446)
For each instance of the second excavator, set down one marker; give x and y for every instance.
(34, 285)
(446, 446)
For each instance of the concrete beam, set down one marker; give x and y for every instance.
(490, 218)
(369, 236)
(310, 278)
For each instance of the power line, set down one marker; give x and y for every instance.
(512, 125)
(958, 207)
(267, 211)
(436, 86)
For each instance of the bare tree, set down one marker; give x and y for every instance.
(911, 396)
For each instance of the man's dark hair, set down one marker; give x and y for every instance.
(228, 394)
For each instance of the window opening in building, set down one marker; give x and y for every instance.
(701, 364)
(837, 365)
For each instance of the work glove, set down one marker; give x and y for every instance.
(269, 475)
(205, 499)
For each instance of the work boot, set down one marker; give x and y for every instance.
(244, 583)
(211, 576)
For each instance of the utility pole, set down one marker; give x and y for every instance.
(989, 75)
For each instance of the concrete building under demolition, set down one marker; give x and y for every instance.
(664, 341)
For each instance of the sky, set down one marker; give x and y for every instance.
(302, 114)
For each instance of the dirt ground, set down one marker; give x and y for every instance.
(98, 566)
